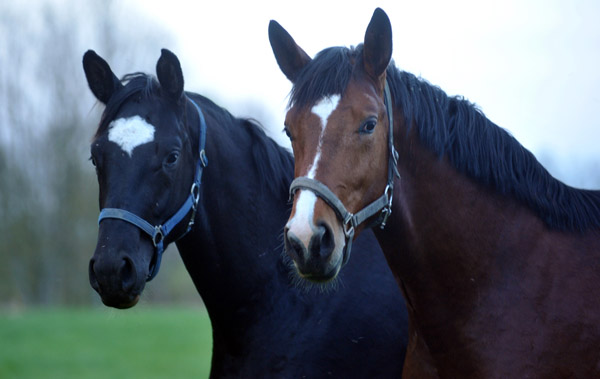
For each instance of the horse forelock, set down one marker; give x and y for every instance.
(327, 74)
(135, 84)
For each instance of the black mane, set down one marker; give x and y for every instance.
(274, 165)
(454, 127)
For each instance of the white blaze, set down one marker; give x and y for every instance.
(130, 133)
(301, 223)
(324, 108)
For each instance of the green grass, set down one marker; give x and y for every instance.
(142, 342)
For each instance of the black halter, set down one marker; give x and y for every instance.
(383, 204)
(158, 233)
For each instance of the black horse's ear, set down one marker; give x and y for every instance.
(170, 77)
(377, 52)
(290, 57)
(100, 77)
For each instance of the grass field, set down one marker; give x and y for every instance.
(142, 342)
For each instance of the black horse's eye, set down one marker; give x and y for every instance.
(368, 126)
(93, 160)
(172, 158)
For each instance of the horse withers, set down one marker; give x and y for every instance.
(498, 261)
(173, 166)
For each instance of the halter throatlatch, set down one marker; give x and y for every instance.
(383, 204)
(158, 233)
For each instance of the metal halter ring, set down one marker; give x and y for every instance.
(349, 231)
(158, 236)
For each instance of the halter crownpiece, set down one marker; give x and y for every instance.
(382, 204)
(158, 233)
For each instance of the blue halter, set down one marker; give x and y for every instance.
(158, 233)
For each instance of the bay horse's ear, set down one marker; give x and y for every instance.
(170, 77)
(377, 51)
(290, 57)
(100, 77)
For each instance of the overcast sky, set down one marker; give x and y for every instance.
(531, 66)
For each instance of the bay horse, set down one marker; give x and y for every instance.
(498, 261)
(165, 157)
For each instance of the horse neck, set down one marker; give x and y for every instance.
(233, 253)
(447, 233)
(475, 266)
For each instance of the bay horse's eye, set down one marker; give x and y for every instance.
(172, 158)
(368, 126)
(287, 132)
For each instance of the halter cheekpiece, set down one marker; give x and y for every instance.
(382, 204)
(158, 233)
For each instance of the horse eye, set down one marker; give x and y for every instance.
(172, 158)
(287, 132)
(368, 126)
(93, 160)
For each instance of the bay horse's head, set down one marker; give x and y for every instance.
(145, 156)
(338, 124)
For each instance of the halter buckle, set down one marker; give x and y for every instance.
(385, 213)
(387, 210)
(195, 192)
(389, 192)
(203, 158)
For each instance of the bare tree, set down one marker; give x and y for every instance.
(48, 191)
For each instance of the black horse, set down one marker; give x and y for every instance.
(149, 157)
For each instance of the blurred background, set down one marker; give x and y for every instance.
(532, 67)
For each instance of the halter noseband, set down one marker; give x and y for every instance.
(383, 204)
(158, 233)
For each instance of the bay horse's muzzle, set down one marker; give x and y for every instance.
(308, 259)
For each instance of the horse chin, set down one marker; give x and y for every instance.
(118, 288)
(308, 282)
(320, 272)
(319, 278)
(120, 303)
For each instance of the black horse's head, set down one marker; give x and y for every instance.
(145, 159)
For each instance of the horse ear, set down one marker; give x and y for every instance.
(377, 51)
(100, 77)
(170, 77)
(290, 57)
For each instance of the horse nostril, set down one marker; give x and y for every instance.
(323, 242)
(92, 274)
(293, 246)
(128, 274)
